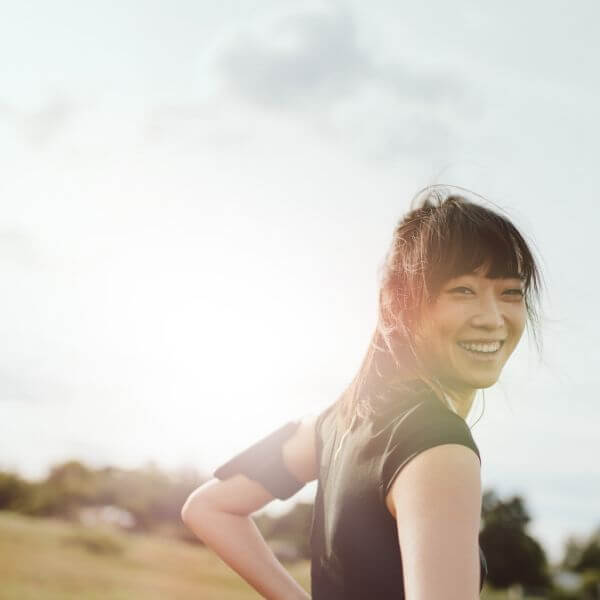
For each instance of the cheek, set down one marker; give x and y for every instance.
(437, 331)
(520, 321)
(446, 321)
(517, 320)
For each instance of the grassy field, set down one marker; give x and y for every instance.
(46, 559)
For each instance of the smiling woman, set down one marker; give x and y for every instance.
(398, 503)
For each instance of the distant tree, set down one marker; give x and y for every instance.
(294, 526)
(513, 556)
(15, 492)
(590, 587)
(152, 496)
(590, 554)
(67, 487)
(582, 555)
(573, 549)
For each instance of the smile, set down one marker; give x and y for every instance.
(489, 348)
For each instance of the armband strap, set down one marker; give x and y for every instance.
(263, 462)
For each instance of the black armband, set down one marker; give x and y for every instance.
(263, 462)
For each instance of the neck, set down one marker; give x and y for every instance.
(462, 401)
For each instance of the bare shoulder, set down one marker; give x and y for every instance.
(436, 501)
(449, 469)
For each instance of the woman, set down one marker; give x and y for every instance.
(398, 503)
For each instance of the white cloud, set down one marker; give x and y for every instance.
(311, 67)
(39, 126)
(315, 59)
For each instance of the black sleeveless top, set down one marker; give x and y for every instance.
(354, 539)
(355, 552)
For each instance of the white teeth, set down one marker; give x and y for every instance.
(490, 347)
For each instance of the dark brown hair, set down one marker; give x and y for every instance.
(444, 235)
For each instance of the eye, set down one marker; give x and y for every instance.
(461, 290)
(514, 292)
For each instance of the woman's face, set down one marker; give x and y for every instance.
(470, 330)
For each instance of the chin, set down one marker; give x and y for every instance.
(475, 381)
(483, 382)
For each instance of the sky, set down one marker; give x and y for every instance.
(196, 197)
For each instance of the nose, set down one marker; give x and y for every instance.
(488, 314)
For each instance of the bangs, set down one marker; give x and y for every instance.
(463, 237)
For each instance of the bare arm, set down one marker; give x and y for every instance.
(218, 512)
(436, 501)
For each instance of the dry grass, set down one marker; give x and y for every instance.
(47, 559)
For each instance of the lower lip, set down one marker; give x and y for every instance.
(481, 356)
